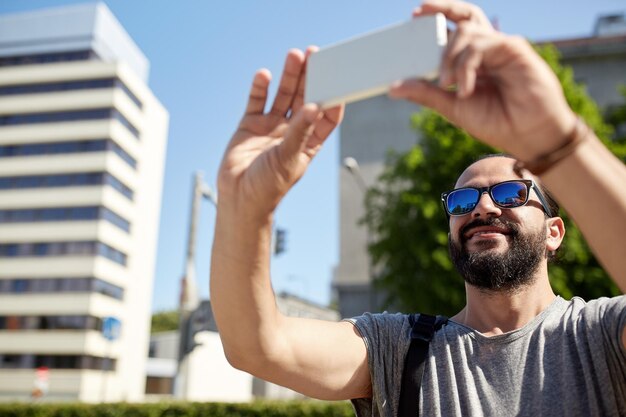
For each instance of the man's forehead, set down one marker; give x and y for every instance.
(488, 171)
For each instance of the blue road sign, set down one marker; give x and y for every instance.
(111, 328)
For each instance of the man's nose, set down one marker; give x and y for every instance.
(486, 207)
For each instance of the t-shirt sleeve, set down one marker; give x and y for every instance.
(608, 315)
(386, 338)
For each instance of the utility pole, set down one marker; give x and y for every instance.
(189, 298)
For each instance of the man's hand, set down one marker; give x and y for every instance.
(270, 151)
(505, 94)
(499, 90)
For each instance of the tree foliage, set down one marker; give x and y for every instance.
(164, 321)
(410, 228)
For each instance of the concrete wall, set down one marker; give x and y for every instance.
(370, 129)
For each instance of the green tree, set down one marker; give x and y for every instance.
(164, 321)
(410, 229)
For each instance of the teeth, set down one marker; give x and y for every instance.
(488, 232)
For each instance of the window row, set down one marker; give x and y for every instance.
(60, 285)
(65, 180)
(17, 250)
(51, 87)
(68, 116)
(49, 58)
(97, 145)
(64, 214)
(74, 322)
(31, 361)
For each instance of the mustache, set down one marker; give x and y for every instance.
(490, 221)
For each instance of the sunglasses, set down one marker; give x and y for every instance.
(506, 195)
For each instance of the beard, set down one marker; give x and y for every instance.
(492, 271)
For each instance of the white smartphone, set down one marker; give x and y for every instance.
(367, 65)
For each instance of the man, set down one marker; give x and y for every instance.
(515, 348)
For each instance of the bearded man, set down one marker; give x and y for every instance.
(515, 348)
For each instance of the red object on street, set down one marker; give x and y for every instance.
(43, 373)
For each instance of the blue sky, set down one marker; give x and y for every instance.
(203, 55)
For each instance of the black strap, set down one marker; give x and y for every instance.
(423, 327)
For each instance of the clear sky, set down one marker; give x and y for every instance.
(203, 54)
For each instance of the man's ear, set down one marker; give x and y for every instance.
(555, 231)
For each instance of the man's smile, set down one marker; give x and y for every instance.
(486, 232)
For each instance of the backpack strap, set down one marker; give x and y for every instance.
(423, 328)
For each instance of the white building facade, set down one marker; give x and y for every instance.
(82, 148)
(205, 374)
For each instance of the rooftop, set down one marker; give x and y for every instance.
(81, 27)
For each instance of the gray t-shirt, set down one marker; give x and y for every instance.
(568, 361)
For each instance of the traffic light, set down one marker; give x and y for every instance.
(280, 244)
(200, 320)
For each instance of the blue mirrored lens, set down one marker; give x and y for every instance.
(462, 201)
(510, 194)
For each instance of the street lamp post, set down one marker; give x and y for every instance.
(189, 298)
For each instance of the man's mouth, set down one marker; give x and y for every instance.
(485, 229)
(486, 232)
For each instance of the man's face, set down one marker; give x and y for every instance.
(497, 249)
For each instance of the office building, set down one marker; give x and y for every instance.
(82, 146)
(372, 127)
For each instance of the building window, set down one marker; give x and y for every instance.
(17, 89)
(118, 185)
(69, 322)
(19, 286)
(105, 288)
(60, 285)
(113, 218)
(159, 385)
(111, 253)
(31, 361)
(119, 84)
(68, 116)
(69, 86)
(66, 180)
(55, 148)
(45, 249)
(48, 58)
(64, 214)
(117, 149)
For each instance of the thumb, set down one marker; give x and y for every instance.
(300, 128)
(426, 94)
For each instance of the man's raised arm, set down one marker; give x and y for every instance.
(267, 155)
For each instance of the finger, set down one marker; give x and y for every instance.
(456, 11)
(457, 43)
(425, 94)
(300, 128)
(298, 100)
(324, 127)
(258, 92)
(288, 83)
(466, 69)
